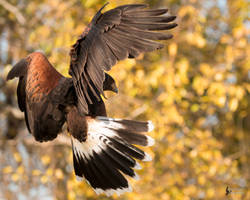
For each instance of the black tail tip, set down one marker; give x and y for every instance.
(109, 191)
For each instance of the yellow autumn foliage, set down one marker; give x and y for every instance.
(195, 90)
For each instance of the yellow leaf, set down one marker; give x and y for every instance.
(242, 43)
(59, 174)
(200, 41)
(89, 3)
(238, 32)
(186, 10)
(210, 192)
(17, 157)
(218, 77)
(229, 54)
(71, 195)
(207, 155)
(183, 66)
(45, 160)
(36, 172)
(206, 69)
(7, 170)
(233, 104)
(195, 107)
(44, 179)
(200, 84)
(212, 170)
(49, 172)
(201, 180)
(177, 158)
(15, 177)
(226, 39)
(195, 39)
(193, 153)
(20, 170)
(221, 101)
(172, 49)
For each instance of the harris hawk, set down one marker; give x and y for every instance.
(103, 148)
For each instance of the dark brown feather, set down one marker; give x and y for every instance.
(145, 13)
(77, 124)
(120, 33)
(109, 84)
(21, 99)
(18, 70)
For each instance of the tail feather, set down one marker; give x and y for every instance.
(129, 125)
(98, 174)
(108, 153)
(85, 169)
(105, 171)
(134, 138)
(125, 159)
(125, 147)
(119, 164)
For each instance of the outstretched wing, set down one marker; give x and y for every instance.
(120, 33)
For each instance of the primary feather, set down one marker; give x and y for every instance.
(120, 33)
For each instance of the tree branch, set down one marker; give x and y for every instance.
(20, 18)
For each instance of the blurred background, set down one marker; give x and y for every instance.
(195, 90)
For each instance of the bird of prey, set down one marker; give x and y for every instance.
(104, 150)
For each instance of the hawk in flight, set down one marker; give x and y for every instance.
(103, 148)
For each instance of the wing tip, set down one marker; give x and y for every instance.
(173, 25)
(9, 76)
(18, 69)
(173, 17)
